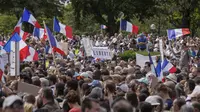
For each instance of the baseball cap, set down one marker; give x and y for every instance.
(95, 83)
(10, 100)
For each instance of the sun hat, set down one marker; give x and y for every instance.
(153, 100)
(10, 100)
(172, 77)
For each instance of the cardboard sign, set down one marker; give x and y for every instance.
(141, 59)
(102, 53)
(87, 44)
(28, 88)
(64, 46)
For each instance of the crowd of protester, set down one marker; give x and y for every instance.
(77, 83)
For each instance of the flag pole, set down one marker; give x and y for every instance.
(52, 48)
(17, 60)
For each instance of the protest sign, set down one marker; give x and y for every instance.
(64, 46)
(141, 59)
(87, 44)
(28, 88)
(102, 53)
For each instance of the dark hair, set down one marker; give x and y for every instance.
(72, 85)
(145, 91)
(142, 97)
(87, 103)
(96, 65)
(110, 85)
(180, 102)
(52, 78)
(105, 72)
(37, 82)
(132, 98)
(72, 97)
(162, 88)
(122, 106)
(148, 64)
(60, 87)
(30, 99)
(48, 94)
(97, 75)
(197, 80)
(191, 84)
(145, 107)
(1, 102)
(63, 78)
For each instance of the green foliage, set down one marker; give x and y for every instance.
(87, 24)
(46, 8)
(130, 54)
(7, 23)
(107, 11)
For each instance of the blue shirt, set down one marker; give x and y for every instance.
(144, 40)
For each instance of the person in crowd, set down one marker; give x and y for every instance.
(146, 107)
(178, 103)
(90, 105)
(48, 102)
(13, 103)
(72, 99)
(187, 108)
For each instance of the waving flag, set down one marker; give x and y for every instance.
(127, 26)
(40, 33)
(175, 33)
(103, 27)
(23, 48)
(28, 17)
(59, 27)
(152, 65)
(18, 30)
(168, 67)
(33, 55)
(53, 42)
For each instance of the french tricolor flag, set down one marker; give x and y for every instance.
(175, 33)
(168, 67)
(21, 33)
(53, 42)
(40, 33)
(103, 26)
(28, 17)
(127, 26)
(18, 30)
(33, 55)
(23, 48)
(59, 27)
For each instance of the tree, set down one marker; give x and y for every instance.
(181, 13)
(47, 8)
(107, 11)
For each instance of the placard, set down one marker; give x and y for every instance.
(141, 59)
(64, 46)
(102, 53)
(28, 88)
(87, 44)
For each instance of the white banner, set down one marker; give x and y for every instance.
(102, 53)
(87, 44)
(141, 59)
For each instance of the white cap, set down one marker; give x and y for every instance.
(10, 100)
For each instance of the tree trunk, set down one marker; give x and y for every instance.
(112, 26)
